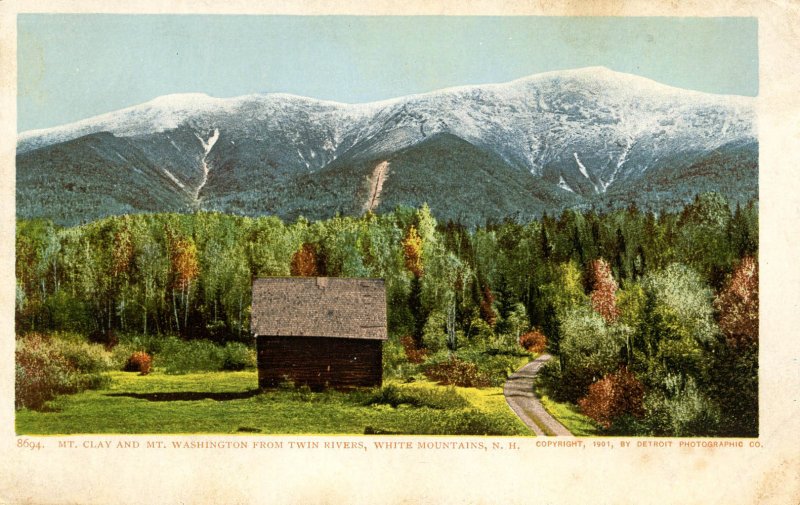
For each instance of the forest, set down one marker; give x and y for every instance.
(652, 319)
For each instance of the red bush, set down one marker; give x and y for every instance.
(612, 396)
(139, 362)
(534, 341)
(413, 353)
(458, 373)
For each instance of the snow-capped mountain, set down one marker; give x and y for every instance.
(543, 142)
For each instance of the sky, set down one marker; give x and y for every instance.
(72, 66)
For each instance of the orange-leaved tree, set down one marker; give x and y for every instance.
(412, 251)
(184, 269)
(737, 305)
(533, 341)
(305, 261)
(604, 289)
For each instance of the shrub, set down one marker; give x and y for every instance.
(533, 341)
(46, 367)
(433, 398)
(681, 410)
(589, 349)
(390, 395)
(179, 356)
(475, 422)
(413, 354)
(393, 352)
(613, 396)
(41, 373)
(458, 373)
(93, 381)
(139, 362)
(84, 357)
(494, 364)
(238, 356)
(438, 398)
(480, 331)
(151, 344)
(395, 361)
(120, 355)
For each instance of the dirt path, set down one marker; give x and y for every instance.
(518, 391)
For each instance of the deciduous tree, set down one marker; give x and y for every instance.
(412, 252)
(604, 288)
(737, 305)
(304, 261)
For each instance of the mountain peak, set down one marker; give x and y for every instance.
(181, 99)
(600, 75)
(542, 142)
(595, 89)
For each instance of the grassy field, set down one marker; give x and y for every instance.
(229, 402)
(569, 415)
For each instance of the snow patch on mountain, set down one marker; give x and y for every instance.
(580, 166)
(585, 172)
(173, 178)
(207, 146)
(563, 184)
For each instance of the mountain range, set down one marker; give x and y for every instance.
(581, 138)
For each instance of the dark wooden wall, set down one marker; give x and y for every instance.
(319, 362)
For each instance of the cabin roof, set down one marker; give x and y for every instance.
(319, 307)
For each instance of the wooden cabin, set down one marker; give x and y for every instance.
(319, 331)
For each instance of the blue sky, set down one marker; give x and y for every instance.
(75, 66)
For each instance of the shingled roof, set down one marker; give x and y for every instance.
(319, 307)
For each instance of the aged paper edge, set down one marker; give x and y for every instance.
(766, 474)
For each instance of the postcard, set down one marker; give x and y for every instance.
(337, 253)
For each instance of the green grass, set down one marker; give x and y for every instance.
(570, 416)
(229, 402)
(539, 424)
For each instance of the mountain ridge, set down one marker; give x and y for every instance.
(576, 134)
(194, 98)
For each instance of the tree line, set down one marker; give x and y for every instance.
(641, 279)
